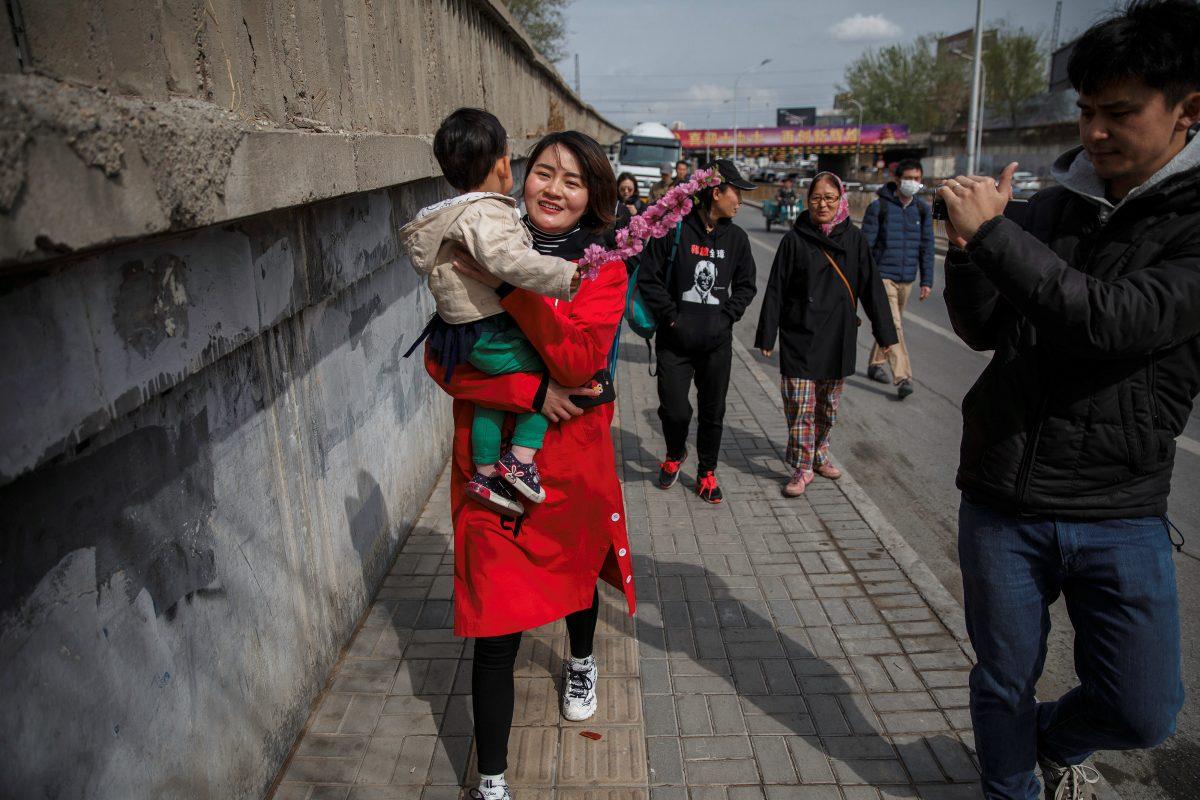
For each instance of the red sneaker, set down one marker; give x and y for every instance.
(707, 488)
(668, 471)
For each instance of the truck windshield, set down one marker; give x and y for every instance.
(648, 154)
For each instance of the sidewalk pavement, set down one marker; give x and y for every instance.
(785, 648)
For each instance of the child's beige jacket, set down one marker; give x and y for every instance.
(489, 227)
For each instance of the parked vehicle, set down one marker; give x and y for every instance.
(1026, 183)
(643, 150)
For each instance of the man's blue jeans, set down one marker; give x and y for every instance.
(1118, 578)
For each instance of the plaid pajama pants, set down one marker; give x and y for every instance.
(811, 408)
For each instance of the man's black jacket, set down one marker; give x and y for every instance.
(711, 284)
(1097, 355)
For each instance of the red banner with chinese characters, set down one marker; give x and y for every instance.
(813, 138)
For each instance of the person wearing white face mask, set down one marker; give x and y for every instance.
(899, 228)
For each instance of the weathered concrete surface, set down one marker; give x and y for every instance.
(211, 446)
(143, 119)
(176, 582)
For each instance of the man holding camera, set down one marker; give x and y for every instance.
(1092, 306)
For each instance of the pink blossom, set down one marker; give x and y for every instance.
(655, 222)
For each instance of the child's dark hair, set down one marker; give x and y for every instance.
(907, 164)
(1153, 41)
(467, 145)
(597, 175)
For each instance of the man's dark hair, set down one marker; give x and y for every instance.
(1153, 41)
(597, 175)
(907, 164)
(467, 145)
(681, 161)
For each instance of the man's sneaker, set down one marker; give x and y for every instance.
(522, 477)
(1068, 783)
(668, 471)
(491, 790)
(491, 491)
(875, 372)
(579, 688)
(707, 488)
(904, 389)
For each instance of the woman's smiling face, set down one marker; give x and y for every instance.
(555, 194)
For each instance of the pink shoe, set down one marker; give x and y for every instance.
(829, 471)
(796, 486)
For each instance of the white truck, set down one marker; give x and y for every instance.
(643, 150)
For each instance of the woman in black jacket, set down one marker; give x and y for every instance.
(823, 267)
(627, 197)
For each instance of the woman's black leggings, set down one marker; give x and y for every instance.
(492, 684)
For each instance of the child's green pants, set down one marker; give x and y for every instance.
(502, 349)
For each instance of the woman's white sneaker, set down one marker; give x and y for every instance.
(491, 789)
(579, 689)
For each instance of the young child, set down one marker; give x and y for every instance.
(471, 326)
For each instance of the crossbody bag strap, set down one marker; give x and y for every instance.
(842, 275)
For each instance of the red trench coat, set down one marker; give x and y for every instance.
(508, 580)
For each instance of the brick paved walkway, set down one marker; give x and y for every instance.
(781, 652)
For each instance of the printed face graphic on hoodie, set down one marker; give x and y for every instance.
(701, 291)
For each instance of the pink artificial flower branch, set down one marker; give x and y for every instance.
(653, 223)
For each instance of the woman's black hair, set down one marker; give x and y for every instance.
(597, 176)
(626, 176)
(1156, 42)
(708, 194)
(467, 145)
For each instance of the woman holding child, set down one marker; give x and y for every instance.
(512, 574)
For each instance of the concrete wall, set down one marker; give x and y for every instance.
(1035, 148)
(211, 445)
(123, 120)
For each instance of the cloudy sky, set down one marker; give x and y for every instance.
(667, 60)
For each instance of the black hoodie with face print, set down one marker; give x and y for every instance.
(709, 286)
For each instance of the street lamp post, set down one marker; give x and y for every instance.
(708, 126)
(737, 80)
(975, 122)
(857, 139)
(974, 115)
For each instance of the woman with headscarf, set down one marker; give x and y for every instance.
(822, 270)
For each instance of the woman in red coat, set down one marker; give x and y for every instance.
(514, 575)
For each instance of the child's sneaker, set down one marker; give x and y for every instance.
(492, 492)
(522, 477)
(579, 688)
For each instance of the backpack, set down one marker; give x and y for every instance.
(639, 316)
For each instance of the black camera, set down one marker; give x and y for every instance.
(939, 207)
(1015, 210)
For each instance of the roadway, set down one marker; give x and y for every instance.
(905, 455)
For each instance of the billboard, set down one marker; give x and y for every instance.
(806, 137)
(802, 115)
(948, 47)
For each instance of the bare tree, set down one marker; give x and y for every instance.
(545, 23)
